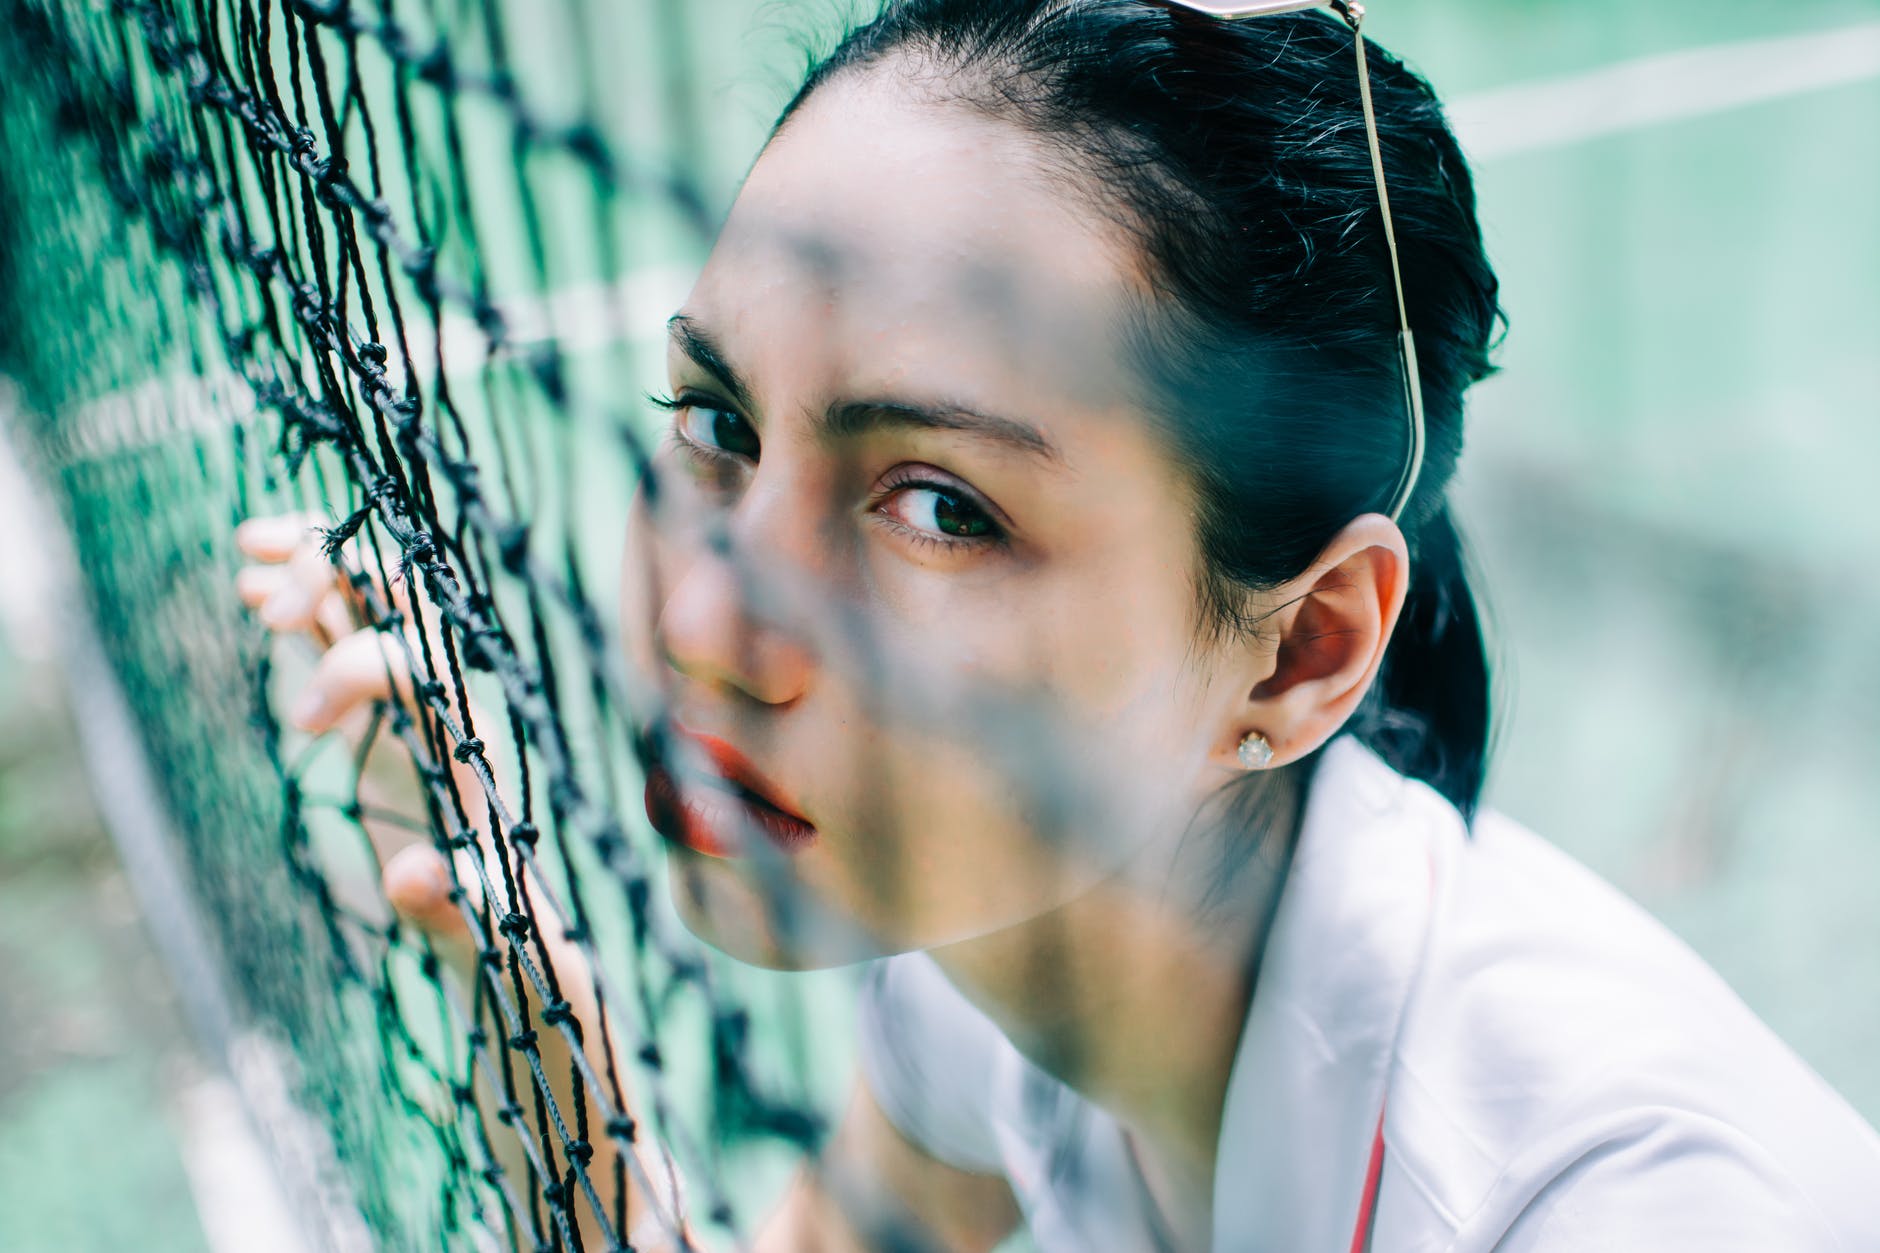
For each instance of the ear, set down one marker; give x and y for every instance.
(1332, 626)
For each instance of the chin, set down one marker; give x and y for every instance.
(776, 928)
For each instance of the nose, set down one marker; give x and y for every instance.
(717, 628)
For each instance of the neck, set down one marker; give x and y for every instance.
(1135, 993)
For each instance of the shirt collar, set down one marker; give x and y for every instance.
(1310, 1072)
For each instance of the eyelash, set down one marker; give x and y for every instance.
(702, 455)
(708, 457)
(995, 537)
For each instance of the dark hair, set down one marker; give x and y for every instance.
(1236, 154)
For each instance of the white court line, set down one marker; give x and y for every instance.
(1651, 91)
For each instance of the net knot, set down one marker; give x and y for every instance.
(524, 833)
(585, 143)
(489, 320)
(435, 67)
(523, 1041)
(332, 539)
(558, 1013)
(622, 1127)
(468, 748)
(197, 80)
(514, 546)
(329, 177)
(580, 1151)
(423, 270)
(734, 1026)
(515, 926)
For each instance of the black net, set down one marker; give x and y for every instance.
(385, 262)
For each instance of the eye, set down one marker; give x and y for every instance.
(939, 512)
(709, 427)
(722, 429)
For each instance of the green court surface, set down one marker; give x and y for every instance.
(1668, 489)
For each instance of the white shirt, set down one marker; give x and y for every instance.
(1555, 1071)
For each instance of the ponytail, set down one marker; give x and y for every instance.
(1430, 712)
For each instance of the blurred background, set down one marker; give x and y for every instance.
(1668, 491)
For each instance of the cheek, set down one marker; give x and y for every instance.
(1002, 800)
(654, 552)
(965, 838)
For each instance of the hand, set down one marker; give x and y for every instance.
(296, 589)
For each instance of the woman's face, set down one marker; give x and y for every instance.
(915, 555)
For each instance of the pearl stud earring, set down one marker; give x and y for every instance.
(1255, 752)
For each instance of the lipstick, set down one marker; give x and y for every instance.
(712, 811)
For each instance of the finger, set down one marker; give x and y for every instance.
(418, 884)
(255, 584)
(277, 538)
(363, 667)
(291, 607)
(334, 617)
(296, 604)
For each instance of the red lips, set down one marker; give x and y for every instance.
(711, 813)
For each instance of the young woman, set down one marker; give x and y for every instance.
(1055, 597)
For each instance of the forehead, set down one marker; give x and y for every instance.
(884, 218)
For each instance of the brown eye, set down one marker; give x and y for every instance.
(721, 429)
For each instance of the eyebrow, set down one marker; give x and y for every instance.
(861, 417)
(858, 418)
(697, 343)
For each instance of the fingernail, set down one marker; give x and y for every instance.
(309, 710)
